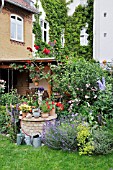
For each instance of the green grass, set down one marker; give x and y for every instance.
(23, 157)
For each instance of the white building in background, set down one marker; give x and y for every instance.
(103, 30)
(74, 4)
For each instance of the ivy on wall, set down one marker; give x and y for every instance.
(90, 25)
(73, 27)
(56, 15)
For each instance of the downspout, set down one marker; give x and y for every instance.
(2, 5)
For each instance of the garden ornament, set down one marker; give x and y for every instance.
(101, 84)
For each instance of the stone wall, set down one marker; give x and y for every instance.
(33, 126)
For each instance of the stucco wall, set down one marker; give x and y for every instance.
(12, 49)
(103, 44)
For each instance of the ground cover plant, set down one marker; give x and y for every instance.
(26, 157)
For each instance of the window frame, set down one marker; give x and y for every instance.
(83, 37)
(62, 38)
(43, 29)
(16, 27)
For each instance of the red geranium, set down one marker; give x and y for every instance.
(60, 105)
(46, 51)
(24, 66)
(48, 106)
(36, 47)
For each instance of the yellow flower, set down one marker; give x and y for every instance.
(104, 62)
(25, 107)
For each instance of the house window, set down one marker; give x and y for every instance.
(45, 30)
(83, 37)
(16, 29)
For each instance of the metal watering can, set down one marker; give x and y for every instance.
(36, 141)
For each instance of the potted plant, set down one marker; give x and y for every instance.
(45, 108)
(25, 108)
(36, 112)
(52, 108)
(36, 82)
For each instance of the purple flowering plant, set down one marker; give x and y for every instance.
(62, 134)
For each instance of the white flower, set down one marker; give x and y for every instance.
(87, 85)
(87, 97)
(95, 96)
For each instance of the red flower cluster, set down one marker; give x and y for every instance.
(48, 106)
(60, 105)
(36, 47)
(25, 66)
(30, 49)
(46, 51)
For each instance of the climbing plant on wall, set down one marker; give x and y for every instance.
(73, 27)
(89, 16)
(56, 15)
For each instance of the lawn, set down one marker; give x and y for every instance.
(23, 157)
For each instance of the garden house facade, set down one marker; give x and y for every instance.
(16, 23)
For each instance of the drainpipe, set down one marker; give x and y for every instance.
(2, 5)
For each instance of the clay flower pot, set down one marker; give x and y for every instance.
(44, 115)
(24, 114)
(52, 112)
(36, 83)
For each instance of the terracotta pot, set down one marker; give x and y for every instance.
(52, 112)
(24, 114)
(44, 115)
(36, 83)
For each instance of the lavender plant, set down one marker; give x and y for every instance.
(62, 135)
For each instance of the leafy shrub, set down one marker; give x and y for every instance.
(104, 102)
(9, 121)
(2, 86)
(76, 80)
(84, 139)
(103, 141)
(10, 98)
(3, 119)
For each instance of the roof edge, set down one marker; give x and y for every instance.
(35, 11)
